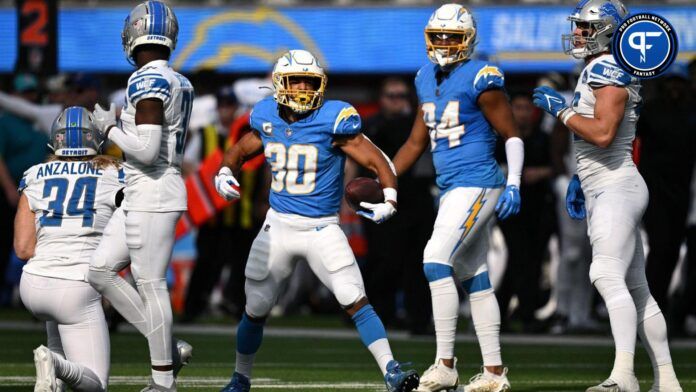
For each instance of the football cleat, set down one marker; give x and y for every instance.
(609, 385)
(45, 370)
(152, 387)
(182, 354)
(239, 383)
(488, 382)
(439, 377)
(398, 380)
(673, 388)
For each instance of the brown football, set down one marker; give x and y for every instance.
(363, 189)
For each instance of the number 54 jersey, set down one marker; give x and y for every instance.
(158, 186)
(461, 139)
(72, 202)
(307, 168)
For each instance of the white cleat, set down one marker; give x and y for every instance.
(439, 377)
(616, 385)
(45, 370)
(667, 387)
(488, 382)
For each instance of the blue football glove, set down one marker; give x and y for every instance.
(509, 202)
(549, 100)
(575, 199)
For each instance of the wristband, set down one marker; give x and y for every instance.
(389, 194)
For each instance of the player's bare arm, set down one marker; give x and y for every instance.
(248, 147)
(366, 154)
(149, 111)
(25, 230)
(608, 114)
(496, 108)
(414, 147)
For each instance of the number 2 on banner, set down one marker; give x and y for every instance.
(448, 127)
(35, 32)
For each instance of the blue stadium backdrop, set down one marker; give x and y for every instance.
(347, 40)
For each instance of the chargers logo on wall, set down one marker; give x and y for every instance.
(645, 45)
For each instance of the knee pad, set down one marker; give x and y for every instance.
(436, 271)
(258, 306)
(606, 267)
(348, 294)
(478, 284)
(100, 278)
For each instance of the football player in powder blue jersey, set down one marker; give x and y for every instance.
(462, 106)
(305, 141)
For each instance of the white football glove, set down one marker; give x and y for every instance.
(104, 119)
(380, 212)
(226, 185)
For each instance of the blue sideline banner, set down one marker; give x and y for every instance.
(346, 40)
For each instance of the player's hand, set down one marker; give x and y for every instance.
(509, 202)
(226, 185)
(377, 213)
(549, 100)
(104, 119)
(575, 199)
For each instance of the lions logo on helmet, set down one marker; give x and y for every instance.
(597, 20)
(73, 134)
(298, 64)
(151, 22)
(450, 35)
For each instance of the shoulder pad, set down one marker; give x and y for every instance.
(489, 77)
(149, 84)
(603, 73)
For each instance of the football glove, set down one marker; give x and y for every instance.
(377, 213)
(226, 185)
(575, 199)
(549, 100)
(104, 119)
(509, 202)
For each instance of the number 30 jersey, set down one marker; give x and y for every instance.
(462, 140)
(158, 186)
(72, 202)
(307, 169)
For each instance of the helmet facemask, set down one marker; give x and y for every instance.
(300, 101)
(587, 44)
(446, 46)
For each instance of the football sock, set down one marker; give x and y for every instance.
(445, 311)
(623, 366)
(122, 295)
(249, 338)
(159, 312)
(485, 314)
(373, 335)
(163, 378)
(80, 378)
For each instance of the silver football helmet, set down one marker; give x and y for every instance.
(600, 19)
(151, 22)
(73, 134)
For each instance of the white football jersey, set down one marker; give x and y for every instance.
(158, 186)
(72, 202)
(599, 166)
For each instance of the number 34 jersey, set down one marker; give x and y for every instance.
(462, 140)
(307, 168)
(72, 202)
(158, 186)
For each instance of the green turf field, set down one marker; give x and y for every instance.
(321, 364)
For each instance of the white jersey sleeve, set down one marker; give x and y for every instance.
(599, 166)
(158, 187)
(72, 201)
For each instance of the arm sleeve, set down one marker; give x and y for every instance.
(144, 146)
(514, 153)
(347, 122)
(148, 85)
(489, 77)
(42, 115)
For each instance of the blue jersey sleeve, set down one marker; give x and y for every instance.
(347, 121)
(149, 84)
(259, 118)
(489, 77)
(604, 73)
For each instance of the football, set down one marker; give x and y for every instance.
(363, 189)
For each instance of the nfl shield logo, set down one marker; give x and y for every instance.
(288, 132)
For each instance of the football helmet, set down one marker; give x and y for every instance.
(298, 63)
(151, 22)
(73, 134)
(603, 18)
(447, 21)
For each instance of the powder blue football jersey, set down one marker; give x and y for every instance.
(462, 140)
(307, 169)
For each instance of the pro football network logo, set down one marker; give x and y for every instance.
(646, 45)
